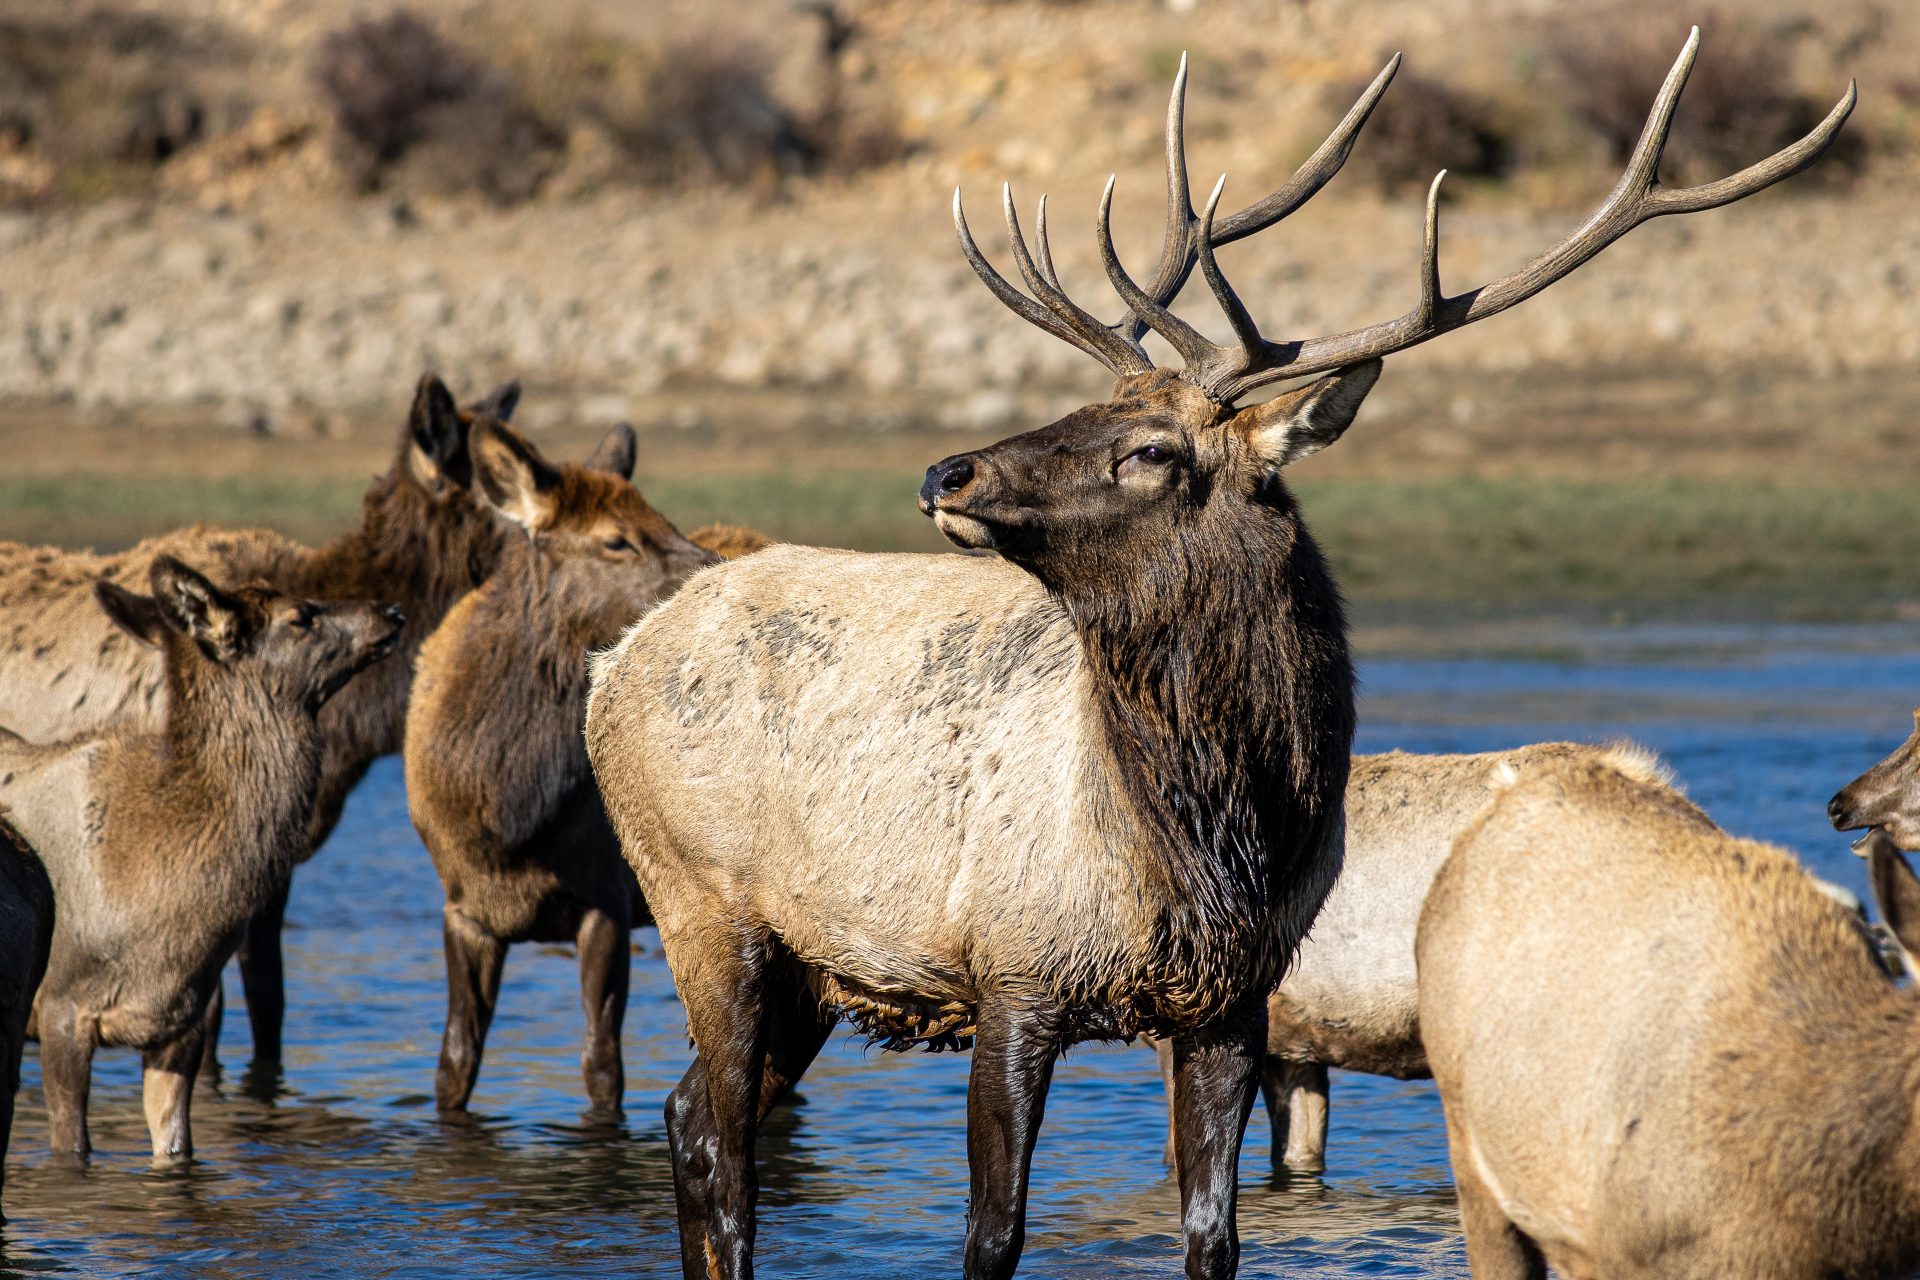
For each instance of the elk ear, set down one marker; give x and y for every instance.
(513, 475)
(500, 402)
(1289, 427)
(197, 609)
(435, 424)
(137, 615)
(616, 453)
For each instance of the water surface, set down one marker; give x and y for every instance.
(341, 1169)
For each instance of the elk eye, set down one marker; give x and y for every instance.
(1150, 455)
(617, 544)
(301, 622)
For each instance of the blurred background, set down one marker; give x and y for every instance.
(235, 232)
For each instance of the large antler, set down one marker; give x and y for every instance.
(1227, 372)
(1117, 345)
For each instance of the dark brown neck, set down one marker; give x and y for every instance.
(1226, 692)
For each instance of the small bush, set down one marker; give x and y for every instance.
(415, 111)
(1741, 103)
(1421, 127)
(711, 114)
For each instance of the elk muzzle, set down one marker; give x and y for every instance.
(951, 494)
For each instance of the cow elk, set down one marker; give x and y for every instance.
(1088, 789)
(497, 774)
(1664, 1051)
(1351, 999)
(1885, 796)
(162, 844)
(424, 539)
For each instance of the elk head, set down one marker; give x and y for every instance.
(301, 651)
(1108, 483)
(437, 430)
(1885, 796)
(589, 514)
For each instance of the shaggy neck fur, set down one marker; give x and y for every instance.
(419, 550)
(1226, 692)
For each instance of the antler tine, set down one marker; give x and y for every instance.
(1193, 347)
(1635, 199)
(1177, 251)
(1046, 287)
(1244, 328)
(1121, 358)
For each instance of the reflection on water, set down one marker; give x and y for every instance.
(341, 1168)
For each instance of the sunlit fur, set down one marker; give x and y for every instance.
(497, 776)
(161, 844)
(1350, 999)
(1664, 1051)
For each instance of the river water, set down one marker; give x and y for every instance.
(339, 1168)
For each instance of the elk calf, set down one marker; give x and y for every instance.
(1351, 999)
(1664, 1051)
(161, 846)
(424, 539)
(497, 775)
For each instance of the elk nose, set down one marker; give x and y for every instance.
(945, 477)
(392, 613)
(1837, 811)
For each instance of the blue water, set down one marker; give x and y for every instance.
(344, 1171)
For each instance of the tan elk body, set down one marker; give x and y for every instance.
(497, 776)
(1089, 789)
(1664, 1051)
(1351, 999)
(161, 845)
(423, 540)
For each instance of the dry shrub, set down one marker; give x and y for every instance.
(1741, 102)
(417, 113)
(100, 98)
(1420, 127)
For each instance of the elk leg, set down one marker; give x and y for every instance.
(1163, 1050)
(263, 976)
(167, 1094)
(474, 960)
(797, 1029)
(605, 972)
(10, 1047)
(215, 1019)
(66, 1076)
(1013, 1056)
(1496, 1248)
(1298, 1105)
(1215, 1074)
(713, 1114)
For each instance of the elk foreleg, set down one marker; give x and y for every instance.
(166, 1093)
(475, 958)
(1215, 1075)
(1297, 1107)
(210, 1039)
(1496, 1248)
(605, 973)
(1013, 1055)
(713, 1114)
(263, 975)
(66, 1075)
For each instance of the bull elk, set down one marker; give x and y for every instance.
(423, 540)
(1663, 1051)
(497, 776)
(162, 844)
(1085, 789)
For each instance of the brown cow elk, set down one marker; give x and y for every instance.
(1886, 796)
(497, 774)
(424, 539)
(1664, 1051)
(1085, 789)
(162, 844)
